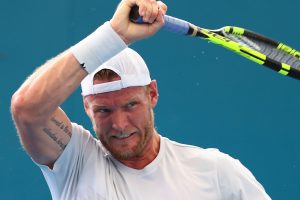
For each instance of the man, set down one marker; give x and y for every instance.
(131, 160)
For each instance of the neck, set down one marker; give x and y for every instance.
(148, 154)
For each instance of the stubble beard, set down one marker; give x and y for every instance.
(135, 151)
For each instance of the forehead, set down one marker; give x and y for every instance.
(119, 96)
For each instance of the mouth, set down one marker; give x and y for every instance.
(123, 136)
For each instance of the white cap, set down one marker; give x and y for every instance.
(128, 64)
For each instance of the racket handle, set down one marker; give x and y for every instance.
(172, 24)
(176, 25)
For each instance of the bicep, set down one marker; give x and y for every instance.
(45, 142)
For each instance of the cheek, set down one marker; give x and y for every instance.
(100, 125)
(142, 117)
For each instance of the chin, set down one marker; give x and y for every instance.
(127, 153)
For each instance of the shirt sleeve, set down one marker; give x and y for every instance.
(66, 170)
(236, 182)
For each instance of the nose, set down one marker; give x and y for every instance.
(119, 121)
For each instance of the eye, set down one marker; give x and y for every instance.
(102, 110)
(131, 104)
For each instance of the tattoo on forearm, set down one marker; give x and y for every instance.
(62, 126)
(49, 132)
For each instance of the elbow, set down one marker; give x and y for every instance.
(18, 106)
(21, 109)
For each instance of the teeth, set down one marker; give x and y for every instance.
(124, 135)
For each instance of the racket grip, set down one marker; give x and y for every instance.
(172, 24)
(176, 25)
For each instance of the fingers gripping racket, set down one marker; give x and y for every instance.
(251, 45)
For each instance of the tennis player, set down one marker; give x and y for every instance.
(129, 159)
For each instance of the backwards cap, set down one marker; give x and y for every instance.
(128, 64)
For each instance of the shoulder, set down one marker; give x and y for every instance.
(212, 157)
(83, 139)
(196, 151)
(234, 180)
(187, 149)
(80, 135)
(193, 154)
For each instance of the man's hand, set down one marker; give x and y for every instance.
(152, 12)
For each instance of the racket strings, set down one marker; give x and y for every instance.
(266, 49)
(243, 41)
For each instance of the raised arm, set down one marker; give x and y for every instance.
(43, 127)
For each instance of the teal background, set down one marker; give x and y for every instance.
(209, 96)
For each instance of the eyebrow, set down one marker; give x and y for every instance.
(134, 99)
(96, 107)
(102, 105)
(99, 106)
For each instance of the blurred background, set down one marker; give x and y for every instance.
(209, 96)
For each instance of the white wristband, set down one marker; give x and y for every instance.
(98, 47)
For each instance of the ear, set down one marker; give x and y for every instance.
(153, 93)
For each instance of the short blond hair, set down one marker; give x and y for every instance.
(106, 75)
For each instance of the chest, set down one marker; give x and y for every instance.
(160, 183)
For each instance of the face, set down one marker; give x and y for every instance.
(123, 120)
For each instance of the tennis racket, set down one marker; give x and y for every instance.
(258, 48)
